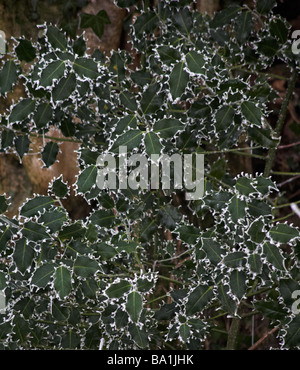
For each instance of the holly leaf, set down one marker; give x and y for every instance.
(22, 110)
(56, 38)
(64, 88)
(178, 80)
(22, 145)
(63, 281)
(43, 115)
(8, 76)
(53, 72)
(50, 153)
(25, 51)
(134, 305)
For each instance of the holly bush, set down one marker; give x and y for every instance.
(148, 268)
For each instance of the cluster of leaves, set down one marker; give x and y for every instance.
(97, 282)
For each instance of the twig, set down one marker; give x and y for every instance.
(255, 345)
(281, 120)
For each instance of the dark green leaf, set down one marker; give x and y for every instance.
(49, 154)
(138, 335)
(274, 255)
(79, 46)
(184, 332)
(189, 234)
(63, 281)
(244, 185)
(128, 100)
(252, 113)
(283, 233)
(145, 24)
(178, 80)
(198, 299)
(258, 208)
(271, 309)
(168, 55)
(224, 118)
(227, 302)
(152, 143)
(87, 179)
(43, 115)
(96, 22)
(131, 139)
(213, 250)
(264, 6)
(243, 26)
(166, 128)
(23, 254)
(256, 232)
(292, 338)
(43, 275)
(25, 51)
(3, 204)
(255, 263)
(235, 259)
(59, 188)
(76, 231)
(22, 110)
(151, 100)
(183, 21)
(117, 290)
(134, 305)
(85, 67)
(238, 283)
(195, 62)
(262, 136)
(64, 88)
(237, 209)
(34, 232)
(103, 250)
(8, 76)
(56, 38)
(225, 16)
(103, 218)
(169, 216)
(85, 266)
(54, 71)
(37, 205)
(7, 139)
(22, 145)
(53, 220)
(280, 30)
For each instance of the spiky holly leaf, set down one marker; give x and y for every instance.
(22, 145)
(25, 51)
(36, 206)
(23, 254)
(53, 72)
(49, 154)
(64, 88)
(22, 110)
(63, 281)
(283, 233)
(85, 266)
(117, 290)
(178, 80)
(43, 275)
(56, 38)
(8, 76)
(134, 305)
(86, 67)
(198, 299)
